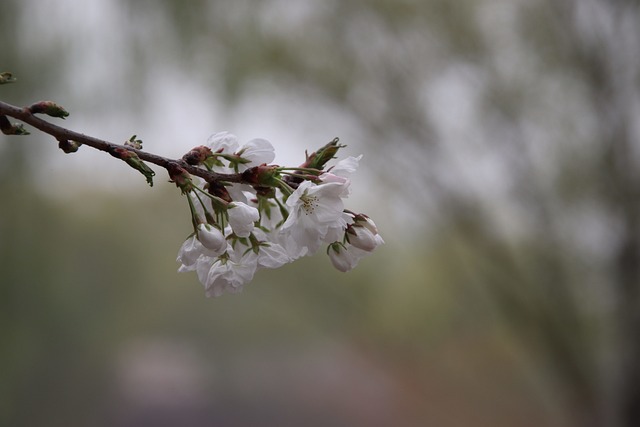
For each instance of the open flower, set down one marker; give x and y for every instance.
(257, 151)
(227, 273)
(344, 168)
(193, 249)
(270, 253)
(189, 253)
(313, 209)
(223, 142)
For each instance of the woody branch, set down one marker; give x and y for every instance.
(66, 137)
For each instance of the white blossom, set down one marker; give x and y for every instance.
(362, 238)
(313, 210)
(227, 273)
(363, 233)
(189, 253)
(223, 142)
(212, 238)
(344, 167)
(289, 225)
(242, 218)
(344, 257)
(270, 253)
(257, 151)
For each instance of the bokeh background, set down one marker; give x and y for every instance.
(501, 163)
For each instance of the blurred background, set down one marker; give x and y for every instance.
(501, 154)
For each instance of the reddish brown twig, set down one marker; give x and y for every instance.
(27, 115)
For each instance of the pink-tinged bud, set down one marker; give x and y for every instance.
(261, 176)
(365, 221)
(219, 190)
(197, 155)
(179, 176)
(362, 238)
(363, 234)
(49, 108)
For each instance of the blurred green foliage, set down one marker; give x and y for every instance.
(500, 162)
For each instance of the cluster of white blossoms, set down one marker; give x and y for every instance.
(269, 215)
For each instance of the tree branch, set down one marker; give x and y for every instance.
(27, 115)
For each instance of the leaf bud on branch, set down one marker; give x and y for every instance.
(49, 108)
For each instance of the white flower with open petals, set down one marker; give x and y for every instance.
(227, 273)
(313, 209)
(270, 254)
(189, 253)
(263, 216)
(223, 142)
(345, 167)
(192, 250)
(257, 151)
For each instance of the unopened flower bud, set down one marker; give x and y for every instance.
(361, 238)
(197, 156)
(218, 190)
(242, 218)
(212, 238)
(363, 233)
(365, 221)
(339, 257)
(179, 176)
(318, 159)
(262, 176)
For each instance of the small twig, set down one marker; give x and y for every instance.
(26, 115)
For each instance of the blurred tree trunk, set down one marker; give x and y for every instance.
(612, 73)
